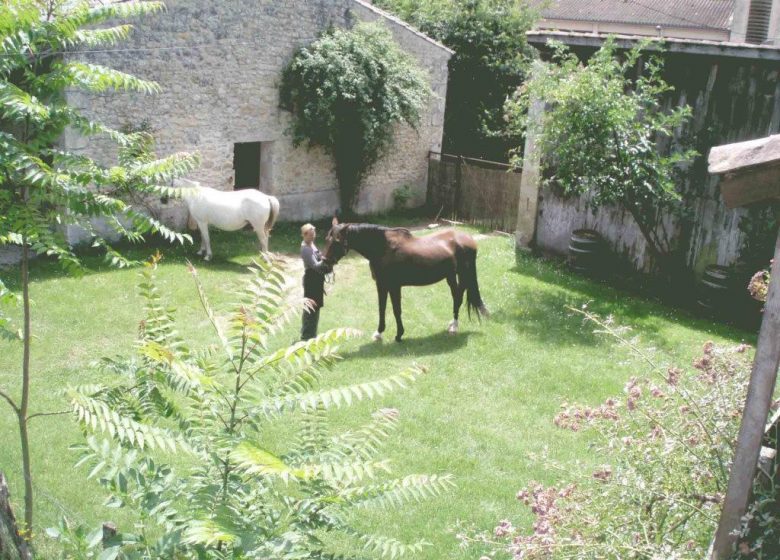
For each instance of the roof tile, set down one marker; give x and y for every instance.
(707, 14)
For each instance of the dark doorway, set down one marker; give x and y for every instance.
(246, 165)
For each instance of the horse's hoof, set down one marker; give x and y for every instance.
(452, 328)
(207, 258)
(398, 338)
(377, 336)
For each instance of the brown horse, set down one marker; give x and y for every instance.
(397, 259)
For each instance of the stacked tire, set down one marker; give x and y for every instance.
(586, 251)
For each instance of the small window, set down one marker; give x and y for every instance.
(246, 165)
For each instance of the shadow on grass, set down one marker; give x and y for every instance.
(437, 343)
(546, 318)
(231, 251)
(545, 315)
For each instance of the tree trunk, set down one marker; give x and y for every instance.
(12, 545)
(24, 405)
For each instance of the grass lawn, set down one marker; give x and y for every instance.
(483, 413)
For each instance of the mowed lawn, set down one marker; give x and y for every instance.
(483, 413)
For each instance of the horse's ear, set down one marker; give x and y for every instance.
(334, 221)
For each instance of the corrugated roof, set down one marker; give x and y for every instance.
(706, 14)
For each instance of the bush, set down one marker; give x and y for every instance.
(345, 92)
(490, 61)
(603, 133)
(670, 441)
(234, 490)
(401, 197)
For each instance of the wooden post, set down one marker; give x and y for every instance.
(751, 432)
(530, 181)
(458, 196)
(12, 545)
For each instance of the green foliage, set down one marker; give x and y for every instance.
(606, 133)
(7, 330)
(346, 91)
(43, 187)
(401, 197)
(242, 494)
(670, 442)
(760, 529)
(490, 61)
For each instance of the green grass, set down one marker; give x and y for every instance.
(483, 413)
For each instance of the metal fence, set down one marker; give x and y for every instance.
(472, 190)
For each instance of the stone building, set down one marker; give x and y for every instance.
(219, 66)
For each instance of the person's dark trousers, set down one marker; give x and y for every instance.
(309, 324)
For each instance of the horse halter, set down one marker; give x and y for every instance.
(342, 243)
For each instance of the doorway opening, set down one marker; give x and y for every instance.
(246, 165)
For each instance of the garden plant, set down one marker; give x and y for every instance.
(606, 133)
(237, 491)
(44, 188)
(491, 59)
(669, 441)
(345, 92)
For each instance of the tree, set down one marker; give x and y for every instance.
(243, 491)
(606, 133)
(346, 91)
(44, 187)
(490, 62)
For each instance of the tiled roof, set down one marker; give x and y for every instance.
(707, 14)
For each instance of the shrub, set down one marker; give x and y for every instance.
(346, 91)
(43, 186)
(604, 132)
(490, 61)
(234, 490)
(669, 441)
(401, 197)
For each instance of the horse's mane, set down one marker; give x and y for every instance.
(374, 229)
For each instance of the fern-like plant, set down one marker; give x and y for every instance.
(243, 493)
(43, 184)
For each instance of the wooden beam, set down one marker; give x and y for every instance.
(750, 171)
(744, 155)
(754, 418)
(758, 184)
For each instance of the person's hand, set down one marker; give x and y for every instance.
(309, 305)
(327, 267)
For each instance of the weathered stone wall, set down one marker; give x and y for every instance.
(219, 66)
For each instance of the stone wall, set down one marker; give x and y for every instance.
(219, 66)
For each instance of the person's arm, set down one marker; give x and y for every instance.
(310, 260)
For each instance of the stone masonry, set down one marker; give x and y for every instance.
(219, 66)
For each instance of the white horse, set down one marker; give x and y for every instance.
(229, 211)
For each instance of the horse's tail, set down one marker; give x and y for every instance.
(269, 224)
(469, 279)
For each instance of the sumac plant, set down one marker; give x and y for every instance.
(667, 444)
(605, 132)
(226, 452)
(44, 187)
(346, 91)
